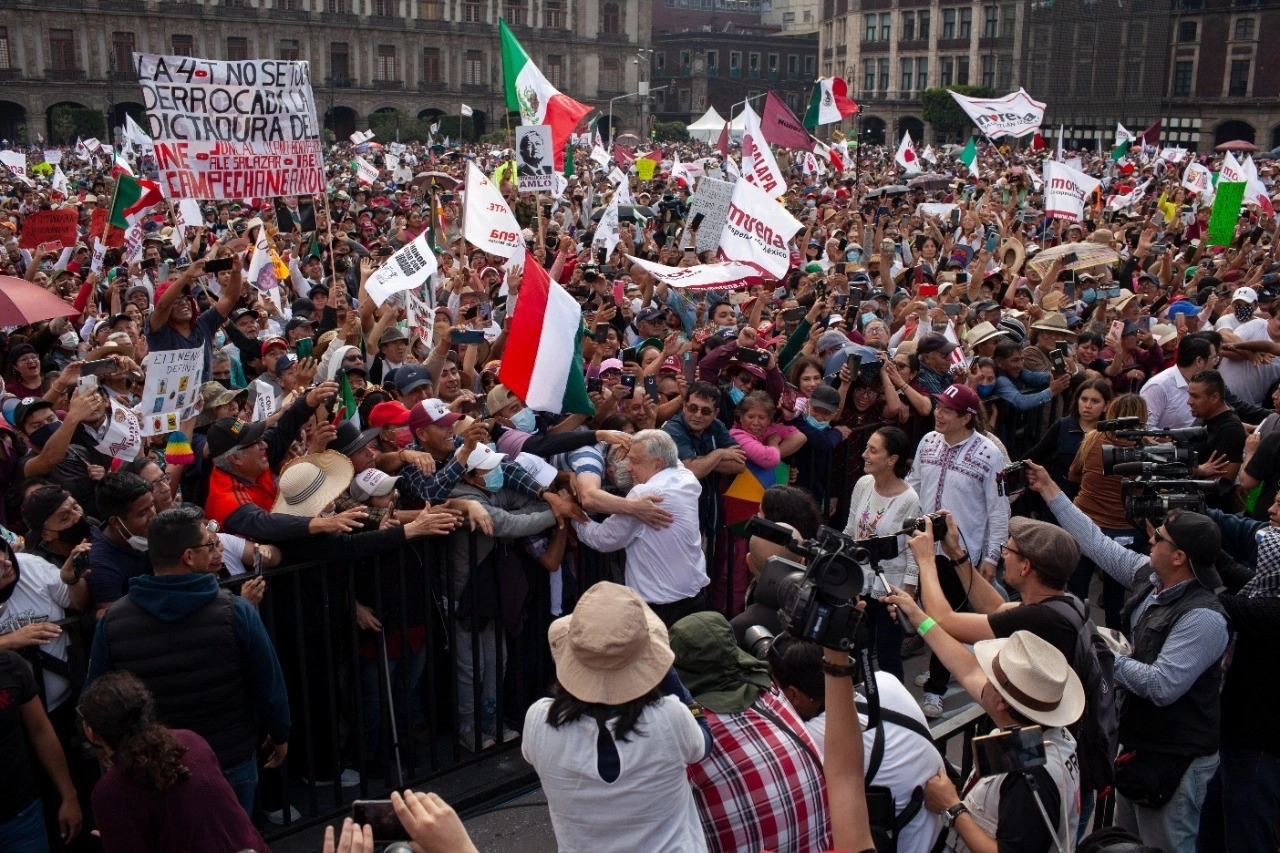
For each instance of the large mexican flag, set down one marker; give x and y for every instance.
(533, 95)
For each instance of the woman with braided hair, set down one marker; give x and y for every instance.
(163, 789)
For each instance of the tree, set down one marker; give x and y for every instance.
(671, 131)
(943, 114)
(67, 122)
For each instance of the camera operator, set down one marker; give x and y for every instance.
(1169, 712)
(1221, 452)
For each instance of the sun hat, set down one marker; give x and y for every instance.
(372, 483)
(612, 649)
(983, 332)
(1050, 549)
(310, 483)
(1033, 676)
(1052, 323)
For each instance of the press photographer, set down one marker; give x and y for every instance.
(1169, 710)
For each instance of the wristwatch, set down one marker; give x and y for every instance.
(950, 815)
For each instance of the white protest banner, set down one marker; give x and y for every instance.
(392, 162)
(1256, 191)
(1013, 115)
(600, 157)
(757, 231)
(1231, 170)
(487, 222)
(702, 276)
(132, 250)
(941, 211)
(422, 315)
(59, 183)
(361, 137)
(1197, 178)
(99, 254)
(15, 162)
(232, 130)
(1173, 155)
(52, 156)
(535, 159)
(264, 401)
(366, 172)
(397, 148)
(123, 439)
(409, 267)
(172, 389)
(758, 164)
(711, 201)
(93, 144)
(607, 236)
(1065, 191)
(616, 176)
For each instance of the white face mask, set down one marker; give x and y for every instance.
(137, 543)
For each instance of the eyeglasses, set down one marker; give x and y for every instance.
(163, 480)
(707, 411)
(1015, 551)
(210, 545)
(1160, 537)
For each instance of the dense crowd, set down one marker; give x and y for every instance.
(931, 334)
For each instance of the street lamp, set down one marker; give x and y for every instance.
(743, 102)
(645, 91)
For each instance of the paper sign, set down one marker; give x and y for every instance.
(535, 159)
(711, 200)
(701, 276)
(409, 267)
(43, 226)
(1226, 212)
(1197, 178)
(123, 439)
(172, 389)
(115, 235)
(232, 130)
(645, 168)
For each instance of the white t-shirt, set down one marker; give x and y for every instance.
(40, 596)
(908, 760)
(648, 807)
(1250, 381)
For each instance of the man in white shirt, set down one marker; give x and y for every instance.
(1249, 366)
(1166, 392)
(665, 567)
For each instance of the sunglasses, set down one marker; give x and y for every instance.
(707, 411)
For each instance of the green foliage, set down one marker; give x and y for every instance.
(671, 131)
(497, 137)
(943, 114)
(67, 122)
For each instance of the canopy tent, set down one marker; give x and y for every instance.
(707, 128)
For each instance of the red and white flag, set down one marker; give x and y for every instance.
(528, 91)
(906, 156)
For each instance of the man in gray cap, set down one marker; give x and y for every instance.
(934, 351)
(1169, 708)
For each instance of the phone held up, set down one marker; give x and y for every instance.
(1008, 751)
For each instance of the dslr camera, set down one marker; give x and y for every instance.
(1157, 477)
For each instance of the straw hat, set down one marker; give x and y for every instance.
(981, 333)
(1053, 323)
(1164, 333)
(1033, 677)
(1019, 254)
(310, 483)
(612, 648)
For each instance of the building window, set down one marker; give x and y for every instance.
(1008, 20)
(884, 74)
(962, 71)
(473, 69)
(713, 60)
(473, 13)
(514, 12)
(337, 7)
(872, 28)
(384, 8)
(612, 19)
(6, 61)
(793, 65)
(660, 63)
(1238, 85)
(610, 79)
(886, 21)
(1187, 31)
(948, 70)
(122, 51)
(555, 69)
(922, 73)
(1182, 77)
(753, 64)
(289, 50)
(735, 61)
(809, 63)
(184, 45)
(948, 23)
(908, 68)
(431, 10)
(551, 14)
(989, 71)
(1244, 29)
(62, 50)
(292, 5)
(385, 69)
(339, 61)
(1004, 67)
(990, 21)
(908, 26)
(773, 63)
(1136, 35)
(966, 23)
(237, 48)
(869, 75)
(923, 18)
(431, 65)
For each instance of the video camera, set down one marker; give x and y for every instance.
(1160, 473)
(817, 601)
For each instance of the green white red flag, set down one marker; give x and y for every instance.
(533, 95)
(133, 198)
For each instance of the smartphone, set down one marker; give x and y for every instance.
(86, 383)
(1008, 751)
(689, 367)
(696, 221)
(80, 564)
(486, 311)
(839, 302)
(1069, 258)
(882, 210)
(594, 384)
(955, 217)
(1065, 348)
(629, 355)
(993, 238)
(629, 381)
(148, 264)
(385, 251)
(1144, 324)
(602, 333)
(918, 243)
(1117, 328)
(466, 336)
(619, 292)
(382, 817)
(1058, 360)
(219, 265)
(98, 367)
(304, 347)
(758, 357)
(856, 295)
(840, 267)
(651, 388)
(853, 361)
(928, 291)
(546, 210)
(795, 315)
(952, 309)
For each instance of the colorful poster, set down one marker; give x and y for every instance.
(172, 389)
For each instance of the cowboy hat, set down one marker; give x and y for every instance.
(983, 332)
(1033, 677)
(1019, 254)
(612, 649)
(1052, 323)
(310, 483)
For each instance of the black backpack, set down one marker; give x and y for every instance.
(1098, 732)
(886, 822)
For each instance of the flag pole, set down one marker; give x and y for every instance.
(106, 224)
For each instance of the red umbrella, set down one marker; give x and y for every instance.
(1236, 145)
(23, 303)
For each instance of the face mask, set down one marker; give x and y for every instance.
(1244, 313)
(220, 339)
(853, 256)
(137, 543)
(403, 437)
(525, 420)
(985, 390)
(816, 424)
(867, 318)
(69, 340)
(736, 395)
(1088, 295)
(76, 533)
(726, 330)
(494, 479)
(44, 433)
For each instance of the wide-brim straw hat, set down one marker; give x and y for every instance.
(983, 332)
(612, 648)
(310, 483)
(1033, 676)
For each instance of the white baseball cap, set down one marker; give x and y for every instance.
(484, 458)
(372, 483)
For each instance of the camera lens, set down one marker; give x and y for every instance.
(756, 640)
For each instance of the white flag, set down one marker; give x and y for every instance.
(1013, 115)
(607, 231)
(135, 134)
(906, 156)
(15, 162)
(467, 111)
(600, 157)
(99, 254)
(435, 127)
(262, 273)
(366, 173)
(1122, 201)
(1066, 190)
(487, 222)
(1231, 170)
(927, 155)
(680, 174)
(59, 181)
(1173, 155)
(758, 164)
(1197, 178)
(408, 268)
(1255, 192)
(724, 274)
(757, 231)
(359, 138)
(1124, 134)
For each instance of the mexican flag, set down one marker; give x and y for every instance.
(830, 102)
(1117, 153)
(969, 156)
(542, 363)
(132, 199)
(119, 165)
(346, 409)
(533, 95)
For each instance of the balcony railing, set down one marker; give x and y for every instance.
(123, 75)
(389, 85)
(341, 82)
(10, 73)
(244, 13)
(65, 75)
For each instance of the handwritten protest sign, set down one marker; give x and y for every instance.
(172, 389)
(712, 201)
(232, 130)
(115, 235)
(49, 226)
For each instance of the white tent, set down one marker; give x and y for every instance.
(707, 128)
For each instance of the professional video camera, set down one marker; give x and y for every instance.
(816, 601)
(1160, 473)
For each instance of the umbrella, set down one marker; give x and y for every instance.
(443, 180)
(889, 190)
(626, 212)
(930, 181)
(743, 495)
(627, 139)
(1236, 145)
(1085, 255)
(23, 303)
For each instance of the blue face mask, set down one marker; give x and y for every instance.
(867, 318)
(44, 433)
(816, 424)
(525, 420)
(494, 479)
(736, 395)
(853, 256)
(985, 390)
(220, 339)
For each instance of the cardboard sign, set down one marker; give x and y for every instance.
(1226, 212)
(711, 200)
(535, 159)
(115, 235)
(49, 226)
(172, 389)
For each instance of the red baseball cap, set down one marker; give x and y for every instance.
(390, 413)
(959, 398)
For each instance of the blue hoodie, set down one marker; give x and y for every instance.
(171, 598)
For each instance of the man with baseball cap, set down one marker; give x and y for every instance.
(1170, 714)
(956, 468)
(934, 351)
